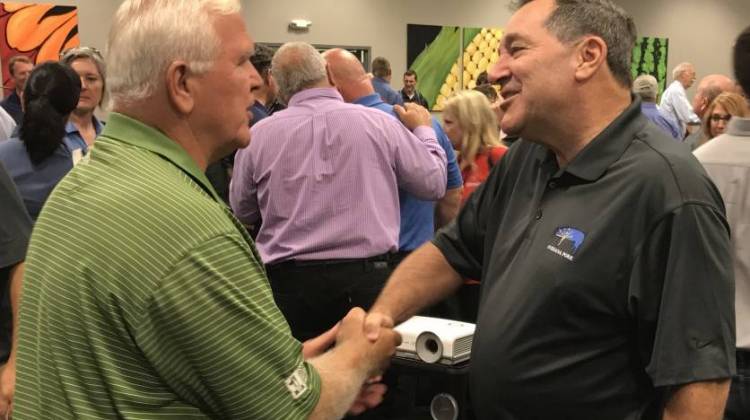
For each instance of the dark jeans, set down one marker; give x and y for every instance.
(314, 296)
(738, 404)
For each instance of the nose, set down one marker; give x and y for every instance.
(255, 80)
(500, 71)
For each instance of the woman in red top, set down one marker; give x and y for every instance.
(471, 125)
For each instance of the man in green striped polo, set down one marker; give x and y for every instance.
(143, 296)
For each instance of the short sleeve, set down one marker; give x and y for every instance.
(462, 241)
(682, 296)
(213, 332)
(15, 224)
(454, 172)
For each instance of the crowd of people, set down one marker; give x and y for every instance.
(241, 237)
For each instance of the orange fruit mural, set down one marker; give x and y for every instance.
(39, 31)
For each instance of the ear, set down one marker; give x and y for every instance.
(591, 54)
(180, 87)
(329, 74)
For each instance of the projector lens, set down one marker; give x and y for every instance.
(444, 407)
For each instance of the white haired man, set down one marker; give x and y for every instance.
(674, 100)
(159, 306)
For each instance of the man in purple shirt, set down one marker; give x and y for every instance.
(324, 176)
(419, 218)
(646, 87)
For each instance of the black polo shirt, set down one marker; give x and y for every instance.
(602, 282)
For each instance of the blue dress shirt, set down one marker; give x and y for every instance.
(663, 121)
(386, 92)
(35, 182)
(75, 138)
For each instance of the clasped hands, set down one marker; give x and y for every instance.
(371, 341)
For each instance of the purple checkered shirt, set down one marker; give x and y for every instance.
(324, 175)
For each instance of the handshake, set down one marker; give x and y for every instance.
(363, 345)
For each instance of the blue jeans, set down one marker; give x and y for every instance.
(738, 404)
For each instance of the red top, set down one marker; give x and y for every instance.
(484, 162)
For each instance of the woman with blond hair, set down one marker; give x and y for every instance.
(720, 111)
(471, 125)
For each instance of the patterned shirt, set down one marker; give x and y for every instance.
(324, 177)
(144, 298)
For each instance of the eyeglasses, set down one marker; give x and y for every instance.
(80, 51)
(720, 117)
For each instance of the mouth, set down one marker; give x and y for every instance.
(508, 95)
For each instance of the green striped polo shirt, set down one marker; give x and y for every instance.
(145, 299)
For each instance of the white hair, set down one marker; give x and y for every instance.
(297, 66)
(679, 69)
(147, 35)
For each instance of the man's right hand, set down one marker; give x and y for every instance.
(375, 322)
(373, 354)
(413, 115)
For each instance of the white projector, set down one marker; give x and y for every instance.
(435, 340)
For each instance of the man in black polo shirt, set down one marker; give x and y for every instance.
(601, 244)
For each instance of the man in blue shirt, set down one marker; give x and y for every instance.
(646, 87)
(19, 67)
(419, 218)
(266, 102)
(381, 81)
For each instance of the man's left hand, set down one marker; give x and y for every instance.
(314, 347)
(369, 397)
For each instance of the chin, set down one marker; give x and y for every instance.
(242, 142)
(85, 108)
(510, 128)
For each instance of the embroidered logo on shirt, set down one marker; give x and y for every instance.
(566, 242)
(296, 383)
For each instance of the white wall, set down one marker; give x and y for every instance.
(700, 31)
(94, 17)
(378, 24)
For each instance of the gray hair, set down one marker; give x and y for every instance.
(88, 53)
(681, 68)
(297, 66)
(646, 86)
(573, 19)
(148, 35)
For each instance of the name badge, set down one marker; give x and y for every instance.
(76, 155)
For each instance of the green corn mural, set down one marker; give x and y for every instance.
(650, 57)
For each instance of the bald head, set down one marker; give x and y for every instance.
(348, 74)
(708, 89)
